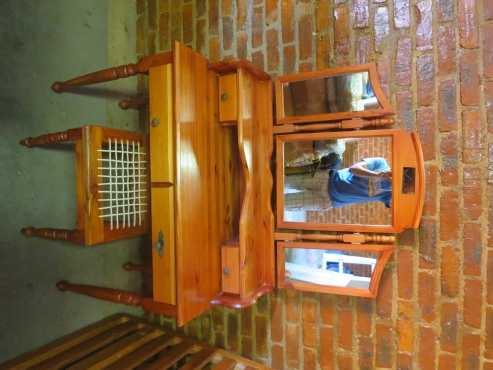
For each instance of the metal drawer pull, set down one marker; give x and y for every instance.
(160, 243)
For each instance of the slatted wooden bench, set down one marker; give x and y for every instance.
(126, 342)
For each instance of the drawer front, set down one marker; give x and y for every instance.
(230, 263)
(228, 98)
(161, 131)
(163, 245)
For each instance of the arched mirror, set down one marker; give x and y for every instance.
(330, 95)
(332, 268)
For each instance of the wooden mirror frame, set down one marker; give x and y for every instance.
(281, 118)
(406, 207)
(385, 254)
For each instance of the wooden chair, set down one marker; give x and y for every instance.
(112, 186)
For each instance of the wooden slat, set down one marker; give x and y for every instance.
(115, 351)
(171, 356)
(89, 346)
(142, 354)
(225, 364)
(199, 359)
(65, 343)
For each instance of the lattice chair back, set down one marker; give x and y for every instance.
(112, 184)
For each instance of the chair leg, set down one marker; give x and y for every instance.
(109, 74)
(129, 266)
(74, 236)
(52, 138)
(118, 296)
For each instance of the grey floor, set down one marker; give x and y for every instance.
(40, 42)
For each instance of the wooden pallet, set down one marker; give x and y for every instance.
(123, 342)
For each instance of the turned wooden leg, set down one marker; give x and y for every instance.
(109, 74)
(52, 138)
(129, 266)
(74, 236)
(118, 296)
(132, 103)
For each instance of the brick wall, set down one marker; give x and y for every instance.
(435, 59)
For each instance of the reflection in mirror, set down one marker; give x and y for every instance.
(338, 181)
(350, 269)
(335, 94)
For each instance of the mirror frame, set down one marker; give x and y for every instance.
(406, 207)
(386, 251)
(281, 118)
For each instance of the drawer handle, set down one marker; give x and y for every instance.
(160, 243)
(224, 96)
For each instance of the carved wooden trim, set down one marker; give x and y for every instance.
(76, 236)
(52, 138)
(352, 124)
(342, 238)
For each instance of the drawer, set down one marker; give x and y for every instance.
(161, 130)
(163, 245)
(230, 263)
(228, 98)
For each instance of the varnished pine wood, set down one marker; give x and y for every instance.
(352, 124)
(232, 65)
(353, 238)
(230, 258)
(228, 98)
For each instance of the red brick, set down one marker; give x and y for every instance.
(247, 347)
(292, 305)
(227, 33)
(276, 320)
(341, 31)
(430, 206)
(449, 215)
(241, 13)
(385, 347)
(404, 361)
(381, 25)
(472, 249)
(242, 44)
(305, 29)
(449, 324)
(489, 281)
(472, 193)
(258, 59)
(450, 267)
(305, 67)
(405, 273)
(326, 309)
(447, 112)
(446, 10)
(402, 16)
(468, 24)
(309, 359)
(446, 362)
(488, 366)
(384, 72)
(271, 12)
(345, 321)
(287, 9)
(214, 52)
(446, 50)
(164, 29)
(361, 13)
(200, 7)
(310, 334)
(344, 362)
(365, 350)
(405, 326)
(425, 71)
(257, 27)
(385, 296)
(233, 343)
(427, 243)
(489, 333)
(323, 50)
(488, 9)
(424, 26)
(427, 296)
(405, 110)
(141, 6)
(469, 78)
(449, 150)
(473, 138)
(226, 7)
(490, 202)
(326, 347)
(292, 345)
(277, 357)
(364, 310)
(472, 302)
(470, 351)
(488, 96)
(426, 357)
(363, 49)
(322, 16)
(407, 237)
(403, 70)
(488, 50)
(213, 17)
(289, 59)
(272, 51)
(151, 42)
(152, 14)
(425, 121)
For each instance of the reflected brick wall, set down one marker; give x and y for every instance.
(435, 59)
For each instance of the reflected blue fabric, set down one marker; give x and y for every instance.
(347, 188)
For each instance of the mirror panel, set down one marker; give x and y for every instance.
(338, 181)
(352, 92)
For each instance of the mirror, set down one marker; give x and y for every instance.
(334, 94)
(353, 270)
(330, 95)
(338, 181)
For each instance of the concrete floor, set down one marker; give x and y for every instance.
(43, 41)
